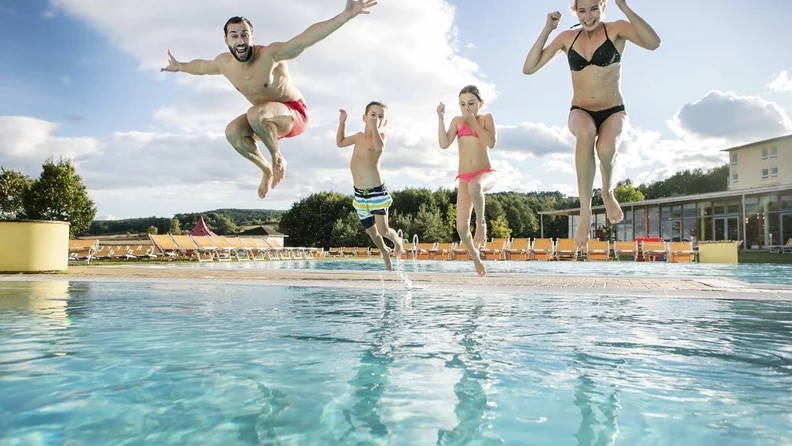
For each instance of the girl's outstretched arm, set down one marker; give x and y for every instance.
(445, 137)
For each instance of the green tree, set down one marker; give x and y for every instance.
(174, 227)
(310, 221)
(429, 225)
(59, 194)
(348, 232)
(220, 224)
(403, 223)
(499, 228)
(13, 187)
(450, 221)
(409, 201)
(152, 230)
(626, 193)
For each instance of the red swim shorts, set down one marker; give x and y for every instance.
(300, 118)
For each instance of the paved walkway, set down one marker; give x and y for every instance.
(672, 287)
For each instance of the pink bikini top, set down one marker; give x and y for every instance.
(465, 130)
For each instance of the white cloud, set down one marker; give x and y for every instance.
(535, 139)
(555, 165)
(730, 118)
(25, 143)
(780, 82)
(187, 160)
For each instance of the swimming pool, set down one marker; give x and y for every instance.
(746, 272)
(162, 363)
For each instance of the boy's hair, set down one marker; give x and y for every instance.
(472, 89)
(375, 103)
(236, 19)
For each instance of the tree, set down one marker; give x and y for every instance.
(59, 194)
(220, 223)
(450, 221)
(152, 230)
(310, 221)
(174, 227)
(626, 193)
(348, 232)
(13, 187)
(499, 228)
(429, 225)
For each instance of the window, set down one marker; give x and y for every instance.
(764, 174)
(774, 152)
(733, 159)
(764, 153)
(774, 172)
(735, 178)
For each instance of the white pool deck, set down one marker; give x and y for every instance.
(670, 287)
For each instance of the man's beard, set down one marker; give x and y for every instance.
(245, 57)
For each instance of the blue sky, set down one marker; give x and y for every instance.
(80, 79)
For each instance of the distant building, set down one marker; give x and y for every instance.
(761, 164)
(756, 208)
(264, 232)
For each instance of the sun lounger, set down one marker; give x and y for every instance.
(518, 249)
(542, 248)
(625, 249)
(565, 249)
(597, 250)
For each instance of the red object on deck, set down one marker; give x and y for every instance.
(201, 228)
(648, 239)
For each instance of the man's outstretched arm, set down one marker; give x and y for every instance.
(198, 66)
(319, 31)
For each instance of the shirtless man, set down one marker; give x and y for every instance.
(260, 73)
(597, 117)
(372, 199)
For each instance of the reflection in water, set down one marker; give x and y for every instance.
(49, 300)
(255, 428)
(473, 407)
(371, 379)
(586, 397)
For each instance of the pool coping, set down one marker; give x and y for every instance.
(687, 287)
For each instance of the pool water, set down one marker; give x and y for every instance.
(159, 363)
(748, 272)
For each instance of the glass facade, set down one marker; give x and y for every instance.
(760, 220)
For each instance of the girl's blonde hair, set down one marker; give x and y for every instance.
(573, 6)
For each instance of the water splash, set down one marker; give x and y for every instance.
(399, 270)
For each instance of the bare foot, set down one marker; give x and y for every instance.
(388, 264)
(480, 270)
(266, 182)
(398, 250)
(582, 233)
(279, 170)
(481, 234)
(612, 208)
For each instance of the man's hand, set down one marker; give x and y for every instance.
(354, 8)
(173, 64)
(441, 110)
(554, 18)
(342, 116)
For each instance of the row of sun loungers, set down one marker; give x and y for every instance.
(537, 249)
(223, 249)
(186, 247)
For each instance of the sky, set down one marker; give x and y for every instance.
(80, 79)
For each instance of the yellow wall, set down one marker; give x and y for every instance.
(34, 246)
(750, 164)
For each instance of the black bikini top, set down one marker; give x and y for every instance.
(605, 55)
